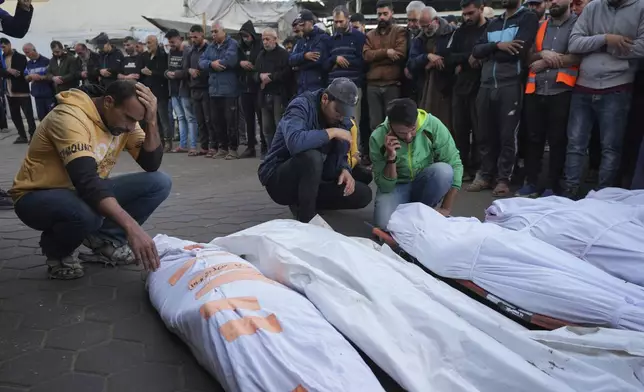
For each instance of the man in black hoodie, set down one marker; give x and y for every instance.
(155, 63)
(13, 71)
(111, 61)
(249, 47)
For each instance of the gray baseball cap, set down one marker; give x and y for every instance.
(345, 93)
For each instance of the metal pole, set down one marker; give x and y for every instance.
(358, 6)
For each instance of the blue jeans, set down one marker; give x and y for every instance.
(611, 111)
(187, 122)
(65, 219)
(428, 187)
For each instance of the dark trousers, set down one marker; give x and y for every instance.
(379, 97)
(298, 182)
(546, 118)
(207, 132)
(22, 103)
(499, 112)
(65, 219)
(3, 112)
(252, 115)
(272, 109)
(44, 106)
(362, 174)
(465, 123)
(163, 117)
(225, 117)
(365, 124)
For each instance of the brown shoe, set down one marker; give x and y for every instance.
(221, 154)
(211, 153)
(232, 155)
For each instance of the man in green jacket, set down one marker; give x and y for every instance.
(63, 68)
(414, 160)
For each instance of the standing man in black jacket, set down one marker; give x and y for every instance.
(13, 71)
(63, 68)
(466, 87)
(132, 62)
(198, 85)
(250, 46)
(89, 64)
(155, 63)
(272, 73)
(111, 61)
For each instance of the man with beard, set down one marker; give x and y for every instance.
(132, 62)
(89, 64)
(155, 63)
(385, 51)
(63, 68)
(539, 7)
(310, 54)
(111, 61)
(12, 70)
(609, 35)
(427, 62)
(306, 167)
(250, 46)
(273, 74)
(503, 49)
(466, 86)
(553, 73)
(140, 47)
(414, 10)
(358, 22)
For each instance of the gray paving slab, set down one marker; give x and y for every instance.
(100, 333)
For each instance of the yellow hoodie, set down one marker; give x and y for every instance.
(72, 130)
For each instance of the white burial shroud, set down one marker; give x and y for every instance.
(606, 234)
(426, 335)
(251, 333)
(518, 268)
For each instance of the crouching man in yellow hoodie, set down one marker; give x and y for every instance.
(63, 189)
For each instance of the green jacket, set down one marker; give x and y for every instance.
(433, 143)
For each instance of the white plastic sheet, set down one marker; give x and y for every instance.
(424, 334)
(518, 268)
(606, 234)
(251, 333)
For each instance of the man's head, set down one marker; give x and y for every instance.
(298, 27)
(152, 43)
(341, 19)
(120, 107)
(385, 12)
(339, 101)
(488, 12)
(103, 43)
(218, 32)
(57, 49)
(269, 39)
(196, 35)
(30, 51)
(537, 6)
(358, 22)
(307, 20)
(413, 16)
(174, 39)
(510, 4)
(402, 114)
(6, 46)
(429, 21)
(129, 43)
(472, 12)
(288, 44)
(247, 36)
(558, 8)
(140, 47)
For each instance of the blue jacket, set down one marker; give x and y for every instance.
(41, 88)
(222, 83)
(311, 75)
(17, 25)
(348, 45)
(302, 129)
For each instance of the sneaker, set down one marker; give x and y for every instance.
(232, 155)
(248, 153)
(66, 268)
(571, 193)
(21, 140)
(528, 190)
(221, 154)
(548, 192)
(467, 177)
(6, 203)
(4, 130)
(105, 252)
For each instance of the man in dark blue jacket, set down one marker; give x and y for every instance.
(17, 25)
(306, 167)
(111, 61)
(310, 54)
(503, 49)
(345, 53)
(41, 88)
(221, 59)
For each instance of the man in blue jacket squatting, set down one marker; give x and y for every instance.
(306, 167)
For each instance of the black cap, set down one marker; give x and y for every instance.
(357, 18)
(102, 39)
(345, 92)
(305, 16)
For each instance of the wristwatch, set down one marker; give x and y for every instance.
(392, 160)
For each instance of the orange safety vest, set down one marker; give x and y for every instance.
(567, 76)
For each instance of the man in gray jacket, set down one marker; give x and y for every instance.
(609, 35)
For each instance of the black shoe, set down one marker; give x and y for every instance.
(21, 140)
(5, 201)
(249, 153)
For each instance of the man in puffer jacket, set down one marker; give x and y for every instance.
(309, 55)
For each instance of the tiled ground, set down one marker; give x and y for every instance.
(100, 333)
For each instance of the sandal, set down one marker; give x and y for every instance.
(179, 150)
(211, 153)
(501, 190)
(193, 153)
(65, 269)
(478, 185)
